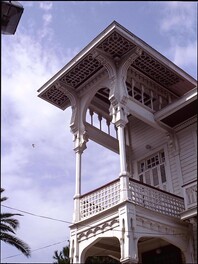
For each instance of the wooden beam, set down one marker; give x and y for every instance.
(102, 138)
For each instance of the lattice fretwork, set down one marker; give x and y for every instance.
(81, 71)
(56, 97)
(116, 45)
(99, 200)
(152, 68)
(155, 200)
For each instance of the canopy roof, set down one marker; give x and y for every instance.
(115, 42)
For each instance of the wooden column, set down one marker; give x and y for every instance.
(120, 120)
(80, 146)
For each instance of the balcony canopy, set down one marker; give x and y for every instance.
(115, 42)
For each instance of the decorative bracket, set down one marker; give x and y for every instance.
(80, 140)
(106, 62)
(119, 115)
(172, 142)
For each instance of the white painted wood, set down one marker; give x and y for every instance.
(127, 209)
(188, 154)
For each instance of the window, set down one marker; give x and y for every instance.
(152, 170)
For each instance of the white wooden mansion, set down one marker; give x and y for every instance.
(146, 108)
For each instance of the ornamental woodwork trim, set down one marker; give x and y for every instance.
(160, 229)
(139, 79)
(68, 91)
(106, 62)
(98, 229)
(155, 70)
(56, 97)
(81, 72)
(128, 60)
(93, 82)
(116, 45)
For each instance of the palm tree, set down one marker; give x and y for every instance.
(8, 225)
(62, 257)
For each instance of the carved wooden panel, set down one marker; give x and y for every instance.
(56, 97)
(82, 71)
(116, 45)
(155, 70)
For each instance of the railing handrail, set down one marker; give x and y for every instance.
(101, 187)
(136, 181)
(156, 189)
(141, 194)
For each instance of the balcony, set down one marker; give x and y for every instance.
(190, 200)
(140, 194)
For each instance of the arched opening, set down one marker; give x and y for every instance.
(105, 250)
(101, 159)
(98, 115)
(156, 250)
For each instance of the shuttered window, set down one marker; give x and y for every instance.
(152, 170)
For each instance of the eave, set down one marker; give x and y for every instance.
(115, 41)
(179, 111)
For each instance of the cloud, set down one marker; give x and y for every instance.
(178, 15)
(190, 51)
(28, 4)
(178, 23)
(47, 18)
(35, 179)
(40, 180)
(46, 5)
(99, 167)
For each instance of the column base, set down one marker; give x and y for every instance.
(124, 174)
(76, 196)
(128, 261)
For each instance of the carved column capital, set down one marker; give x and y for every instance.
(119, 115)
(80, 140)
(118, 90)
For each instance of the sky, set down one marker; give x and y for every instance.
(37, 156)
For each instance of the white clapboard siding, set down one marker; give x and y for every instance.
(143, 135)
(174, 174)
(188, 154)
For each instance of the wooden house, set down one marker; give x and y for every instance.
(146, 110)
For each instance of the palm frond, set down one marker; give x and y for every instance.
(6, 228)
(3, 198)
(7, 215)
(66, 252)
(14, 223)
(14, 241)
(8, 225)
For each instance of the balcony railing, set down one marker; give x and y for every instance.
(155, 199)
(140, 194)
(96, 119)
(146, 92)
(190, 195)
(100, 199)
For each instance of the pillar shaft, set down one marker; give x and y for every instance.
(122, 149)
(78, 173)
(80, 146)
(120, 120)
